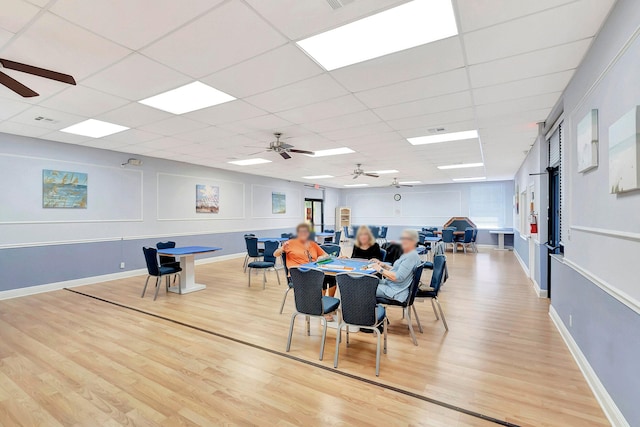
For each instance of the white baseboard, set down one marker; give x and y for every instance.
(609, 407)
(522, 264)
(48, 287)
(542, 293)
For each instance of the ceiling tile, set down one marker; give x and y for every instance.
(5, 36)
(269, 122)
(538, 63)
(209, 133)
(133, 115)
(83, 101)
(55, 44)
(225, 113)
(225, 36)
(548, 83)
(425, 87)
(432, 58)
(433, 120)
(173, 126)
(9, 107)
(67, 138)
(22, 129)
(359, 131)
(16, 14)
(132, 136)
(133, 24)
(512, 106)
(498, 41)
(436, 104)
(323, 110)
(306, 92)
(344, 121)
(428, 130)
(279, 67)
(44, 87)
(105, 144)
(162, 143)
(59, 119)
(137, 77)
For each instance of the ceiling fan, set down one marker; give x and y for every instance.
(23, 90)
(358, 172)
(282, 148)
(397, 184)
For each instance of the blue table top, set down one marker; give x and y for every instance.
(432, 239)
(324, 234)
(342, 266)
(277, 239)
(188, 250)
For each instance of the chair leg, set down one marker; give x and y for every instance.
(347, 336)
(308, 320)
(249, 276)
(409, 321)
(384, 331)
(435, 311)
(145, 286)
(277, 275)
(338, 338)
(444, 321)
(324, 336)
(377, 332)
(264, 279)
(293, 320)
(246, 261)
(284, 299)
(415, 312)
(179, 283)
(158, 281)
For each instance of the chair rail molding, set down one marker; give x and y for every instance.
(607, 232)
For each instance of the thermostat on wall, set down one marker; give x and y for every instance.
(397, 197)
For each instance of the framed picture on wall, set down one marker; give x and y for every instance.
(587, 142)
(278, 203)
(207, 199)
(624, 150)
(64, 189)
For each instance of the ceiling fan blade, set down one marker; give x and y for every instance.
(16, 86)
(258, 152)
(286, 146)
(355, 176)
(285, 155)
(293, 150)
(372, 175)
(405, 185)
(37, 71)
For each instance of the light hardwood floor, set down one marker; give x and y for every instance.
(67, 359)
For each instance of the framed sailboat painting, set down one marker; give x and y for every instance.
(63, 189)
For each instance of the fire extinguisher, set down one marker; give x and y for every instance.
(534, 223)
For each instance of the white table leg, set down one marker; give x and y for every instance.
(501, 241)
(187, 263)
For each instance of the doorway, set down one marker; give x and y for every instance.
(314, 213)
(553, 221)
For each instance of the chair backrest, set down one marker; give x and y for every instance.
(164, 259)
(439, 265)
(468, 235)
(394, 251)
(284, 264)
(358, 298)
(312, 235)
(447, 235)
(383, 231)
(421, 237)
(475, 235)
(383, 254)
(415, 284)
(270, 247)
(338, 236)
(307, 287)
(151, 258)
(286, 235)
(375, 230)
(329, 231)
(331, 249)
(249, 235)
(252, 246)
(438, 248)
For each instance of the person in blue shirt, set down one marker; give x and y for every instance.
(396, 280)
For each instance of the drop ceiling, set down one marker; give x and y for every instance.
(501, 74)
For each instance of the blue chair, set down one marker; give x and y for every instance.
(467, 240)
(157, 271)
(473, 240)
(447, 238)
(289, 284)
(359, 308)
(307, 286)
(437, 279)
(268, 262)
(253, 252)
(407, 305)
(329, 239)
(383, 254)
(331, 249)
(338, 237)
(165, 260)
(312, 236)
(383, 233)
(375, 230)
(286, 235)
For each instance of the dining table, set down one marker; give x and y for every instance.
(187, 255)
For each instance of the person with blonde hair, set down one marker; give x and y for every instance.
(365, 246)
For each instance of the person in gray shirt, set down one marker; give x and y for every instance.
(396, 280)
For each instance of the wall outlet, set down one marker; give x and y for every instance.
(570, 320)
(122, 265)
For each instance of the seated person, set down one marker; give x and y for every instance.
(302, 250)
(365, 246)
(396, 280)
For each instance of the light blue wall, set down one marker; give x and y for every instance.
(607, 332)
(521, 246)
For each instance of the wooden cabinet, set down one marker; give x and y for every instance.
(343, 218)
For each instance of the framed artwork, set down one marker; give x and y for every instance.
(278, 203)
(587, 142)
(207, 199)
(63, 189)
(624, 152)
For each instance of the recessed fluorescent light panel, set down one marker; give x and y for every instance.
(184, 99)
(356, 185)
(475, 178)
(462, 166)
(443, 137)
(331, 152)
(249, 162)
(94, 128)
(412, 24)
(409, 182)
(318, 177)
(388, 171)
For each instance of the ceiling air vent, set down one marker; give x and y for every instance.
(436, 130)
(45, 119)
(337, 4)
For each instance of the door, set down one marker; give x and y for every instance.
(553, 221)
(314, 213)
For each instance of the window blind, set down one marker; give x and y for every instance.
(487, 205)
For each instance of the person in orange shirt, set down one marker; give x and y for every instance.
(301, 250)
